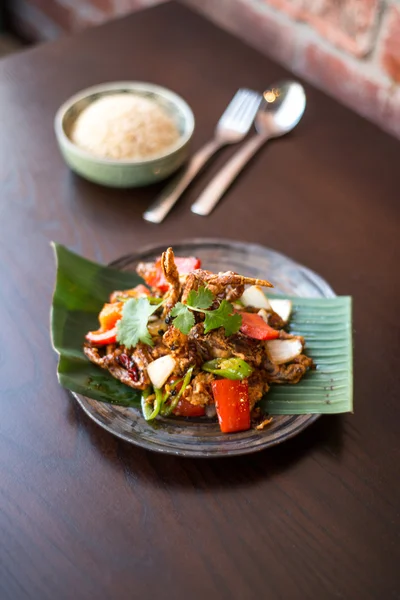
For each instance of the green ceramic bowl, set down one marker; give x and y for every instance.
(125, 173)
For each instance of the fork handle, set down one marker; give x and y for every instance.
(175, 188)
(222, 181)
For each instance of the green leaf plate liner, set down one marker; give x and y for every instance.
(83, 286)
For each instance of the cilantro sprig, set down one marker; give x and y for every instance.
(223, 316)
(132, 327)
(200, 301)
(183, 318)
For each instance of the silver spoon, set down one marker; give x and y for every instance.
(232, 127)
(282, 108)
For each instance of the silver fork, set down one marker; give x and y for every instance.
(232, 127)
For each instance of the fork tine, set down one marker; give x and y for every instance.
(251, 105)
(235, 105)
(232, 127)
(244, 119)
(233, 109)
(239, 115)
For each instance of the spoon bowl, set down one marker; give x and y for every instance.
(281, 109)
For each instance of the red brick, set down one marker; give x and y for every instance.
(264, 32)
(390, 52)
(349, 24)
(293, 8)
(346, 81)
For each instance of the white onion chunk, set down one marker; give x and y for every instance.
(283, 351)
(160, 369)
(254, 296)
(283, 308)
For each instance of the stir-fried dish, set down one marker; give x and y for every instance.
(198, 343)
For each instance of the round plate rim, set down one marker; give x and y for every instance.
(194, 453)
(311, 418)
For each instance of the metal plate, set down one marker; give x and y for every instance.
(202, 437)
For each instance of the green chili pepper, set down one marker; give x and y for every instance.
(171, 386)
(150, 412)
(147, 408)
(228, 368)
(167, 410)
(154, 300)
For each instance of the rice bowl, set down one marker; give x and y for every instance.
(162, 159)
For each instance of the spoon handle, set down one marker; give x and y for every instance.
(222, 181)
(174, 189)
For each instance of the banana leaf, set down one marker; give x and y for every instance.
(83, 286)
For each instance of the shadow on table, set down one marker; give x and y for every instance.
(324, 436)
(112, 203)
(231, 472)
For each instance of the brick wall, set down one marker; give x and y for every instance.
(350, 48)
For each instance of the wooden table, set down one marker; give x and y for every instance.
(86, 516)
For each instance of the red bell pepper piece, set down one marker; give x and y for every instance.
(156, 277)
(232, 404)
(102, 338)
(109, 315)
(186, 409)
(255, 327)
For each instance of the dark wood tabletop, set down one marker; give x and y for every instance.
(86, 516)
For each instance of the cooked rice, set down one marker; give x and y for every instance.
(124, 126)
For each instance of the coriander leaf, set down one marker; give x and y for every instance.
(201, 299)
(132, 328)
(184, 319)
(233, 324)
(224, 317)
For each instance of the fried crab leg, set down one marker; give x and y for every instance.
(229, 284)
(171, 274)
(135, 375)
